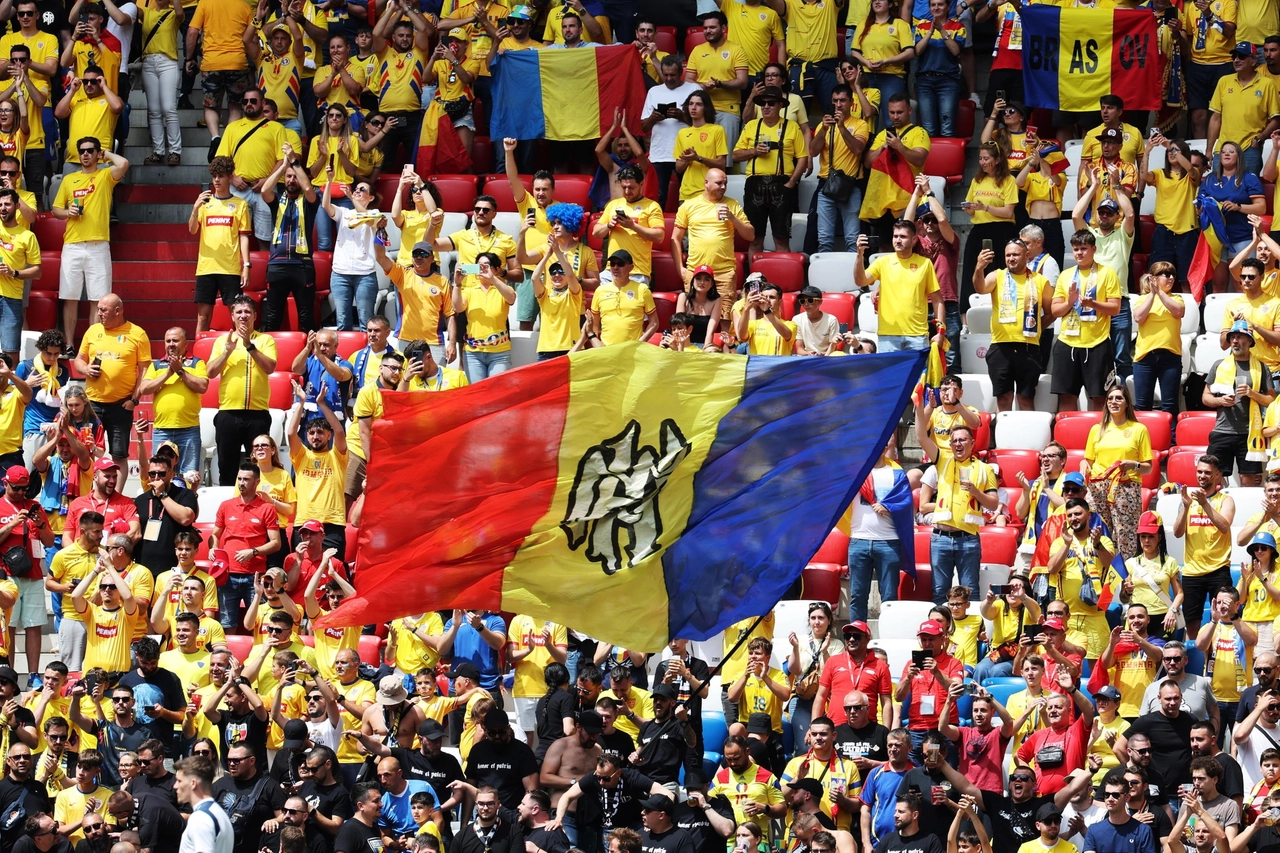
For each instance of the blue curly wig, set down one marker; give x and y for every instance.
(569, 216)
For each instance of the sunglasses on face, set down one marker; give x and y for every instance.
(156, 475)
(482, 209)
(275, 630)
(231, 761)
(812, 300)
(1113, 795)
(51, 739)
(294, 811)
(378, 123)
(84, 152)
(252, 101)
(1146, 751)
(417, 254)
(107, 587)
(1021, 777)
(853, 709)
(1177, 658)
(93, 81)
(1262, 670)
(121, 698)
(208, 753)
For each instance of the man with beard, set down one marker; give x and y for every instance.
(327, 798)
(836, 779)
(160, 694)
(1204, 744)
(256, 151)
(709, 821)
(610, 799)
(570, 758)
(1071, 739)
(660, 834)
(1197, 694)
(1141, 804)
(665, 739)
(1170, 732)
(1049, 822)
(501, 762)
(1264, 678)
(19, 788)
(494, 829)
(153, 817)
(245, 791)
(535, 813)
(907, 836)
(296, 811)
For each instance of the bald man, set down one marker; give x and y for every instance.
(114, 355)
(324, 373)
(176, 383)
(710, 221)
(396, 793)
(861, 738)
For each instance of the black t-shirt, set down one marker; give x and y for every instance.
(227, 791)
(316, 842)
(1012, 824)
(870, 742)
(934, 820)
(508, 837)
(156, 552)
(27, 844)
(1160, 824)
(616, 741)
(549, 718)
(158, 822)
(438, 771)
(921, 842)
(355, 837)
(1266, 839)
(1231, 785)
(694, 821)
(674, 840)
(51, 17)
(504, 766)
(548, 840)
(662, 750)
(613, 808)
(36, 800)
(162, 787)
(284, 769)
(87, 846)
(1170, 748)
(114, 739)
(161, 686)
(244, 729)
(332, 801)
(684, 693)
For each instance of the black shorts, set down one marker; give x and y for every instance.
(212, 285)
(1201, 81)
(1074, 367)
(768, 201)
(1197, 588)
(1231, 450)
(1013, 366)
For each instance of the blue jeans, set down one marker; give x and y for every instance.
(10, 324)
(259, 213)
(889, 85)
(987, 668)
(939, 98)
(360, 289)
(1121, 342)
(324, 225)
(832, 214)
(901, 343)
(868, 557)
(1163, 366)
(801, 717)
(953, 551)
(190, 454)
(234, 595)
(482, 365)
(952, 312)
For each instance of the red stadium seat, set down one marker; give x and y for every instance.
(202, 349)
(288, 345)
(822, 582)
(497, 186)
(1138, 267)
(42, 311)
(572, 189)
(923, 534)
(665, 39)
(666, 278)
(1146, 229)
(1014, 494)
(666, 305)
(1074, 458)
(48, 231)
(481, 154)
(209, 399)
(982, 438)
(50, 271)
(1013, 461)
(281, 390)
(921, 588)
(965, 120)
(258, 273)
(788, 306)
(1071, 429)
(692, 38)
(457, 192)
(1182, 467)
(946, 159)
(999, 544)
(370, 649)
(835, 549)
(593, 241)
(785, 269)
(350, 343)
(842, 306)
(386, 187)
(481, 117)
(240, 645)
(673, 195)
(1158, 425)
(1146, 498)
(1194, 429)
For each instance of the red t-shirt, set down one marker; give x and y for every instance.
(981, 756)
(840, 674)
(117, 511)
(17, 538)
(1071, 740)
(245, 525)
(307, 567)
(924, 685)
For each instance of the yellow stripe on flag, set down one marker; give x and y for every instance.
(570, 93)
(1084, 58)
(680, 413)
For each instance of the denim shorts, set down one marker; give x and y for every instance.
(190, 453)
(10, 324)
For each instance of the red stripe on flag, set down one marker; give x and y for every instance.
(620, 83)
(897, 168)
(1135, 66)
(456, 482)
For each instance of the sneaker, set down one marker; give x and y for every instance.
(213, 147)
(153, 160)
(175, 159)
(973, 96)
(964, 330)
(34, 681)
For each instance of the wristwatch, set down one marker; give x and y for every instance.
(250, 347)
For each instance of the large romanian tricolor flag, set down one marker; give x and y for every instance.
(635, 493)
(566, 94)
(1072, 57)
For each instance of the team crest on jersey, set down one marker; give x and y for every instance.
(724, 54)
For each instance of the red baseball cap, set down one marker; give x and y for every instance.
(313, 526)
(1054, 624)
(929, 627)
(857, 625)
(704, 269)
(17, 475)
(106, 463)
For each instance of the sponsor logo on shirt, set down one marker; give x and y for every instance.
(218, 220)
(106, 632)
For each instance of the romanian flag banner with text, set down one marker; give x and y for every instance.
(567, 94)
(1072, 57)
(634, 493)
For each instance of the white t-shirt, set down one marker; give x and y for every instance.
(662, 138)
(816, 337)
(1091, 815)
(125, 34)
(866, 524)
(353, 248)
(1249, 753)
(324, 732)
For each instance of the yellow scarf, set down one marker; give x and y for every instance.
(1226, 375)
(51, 384)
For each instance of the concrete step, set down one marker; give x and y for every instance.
(192, 175)
(169, 213)
(191, 156)
(192, 136)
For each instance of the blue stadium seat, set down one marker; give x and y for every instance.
(710, 764)
(964, 707)
(1195, 660)
(1003, 688)
(714, 729)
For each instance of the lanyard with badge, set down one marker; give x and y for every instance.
(152, 531)
(1088, 289)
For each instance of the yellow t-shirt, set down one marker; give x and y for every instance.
(310, 14)
(646, 213)
(1041, 188)
(753, 785)
(87, 53)
(340, 175)
(368, 405)
(399, 79)
(470, 243)
(176, 406)
(1264, 311)
(561, 319)
(221, 26)
(19, 250)
(1087, 329)
(1259, 606)
(244, 384)
(423, 302)
(93, 193)
(43, 47)
(965, 639)
(279, 485)
(754, 29)
(884, 41)
(165, 25)
(526, 633)
(758, 698)
(280, 78)
(445, 379)
(358, 691)
(413, 231)
(487, 311)
(122, 352)
(1016, 307)
(764, 339)
(839, 776)
(990, 193)
(329, 642)
(734, 666)
(1245, 108)
(320, 478)
(710, 238)
(837, 149)
(956, 508)
(554, 33)
(1231, 675)
(449, 85)
(707, 141)
(905, 286)
(1207, 548)
(71, 565)
(1130, 145)
(12, 410)
(293, 704)
(190, 667)
(210, 601)
(222, 221)
(622, 310)
(480, 45)
(1140, 568)
(811, 29)
(338, 93)
(108, 635)
(1175, 202)
(91, 118)
(640, 702)
(413, 655)
(1161, 330)
(259, 154)
(1213, 48)
(14, 145)
(1062, 845)
(791, 146)
(1132, 673)
(1130, 441)
(69, 806)
(719, 63)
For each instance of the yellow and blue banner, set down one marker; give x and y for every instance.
(1072, 57)
(566, 94)
(635, 493)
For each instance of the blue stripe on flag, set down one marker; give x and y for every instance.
(1039, 63)
(517, 97)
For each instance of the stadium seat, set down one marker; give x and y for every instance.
(481, 154)
(202, 349)
(1194, 429)
(1214, 306)
(1071, 429)
(42, 311)
(898, 652)
(978, 391)
(497, 186)
(714, 729)
(572, 189)
(281, 390)
(693, 37)
(665, 39)
(288, 345)
(1012, 461)
(457, 192)
(973, 350)
(1207, 352)
(899, 619)
(832, 272)
(666, 278)
(352, 538)
(822, 582)
(1022, 430)
(840, 306)
(999, 544)
(946, 159)
(965, 120)
(921, 587)
(666, 305)
(350, 343)
(240, 646)
(49, 231)
(370, 649)
(50, 272)
(1002, 688)
(1158, 425)
(221, 319)
(835, 549)
(1181, 468)
(785, 269)
(209, 399)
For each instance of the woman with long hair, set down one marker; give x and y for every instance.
(1238, 194)
(1116, 458)
(80, 416)
(884, 47)
(373, 130)
(1157, 354)
(1154, 577)
(805, 663)
(991, 204)
(486, 305)
(554, 711)
(700, 146)
(866, 101)
(702, 302)
(276, 488)
(1040, 192)
(161, 73)
(413, 223)
(1009, 614)
(1007, 128)
(336, 146)
(1177, 227)
(1260, 587)
(354, 280)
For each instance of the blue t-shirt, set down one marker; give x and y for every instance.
(880, 793)
(315, 378)
(1238, 229)
(1105, 837)
(396, 814)
(41, 409)
(469, 646)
